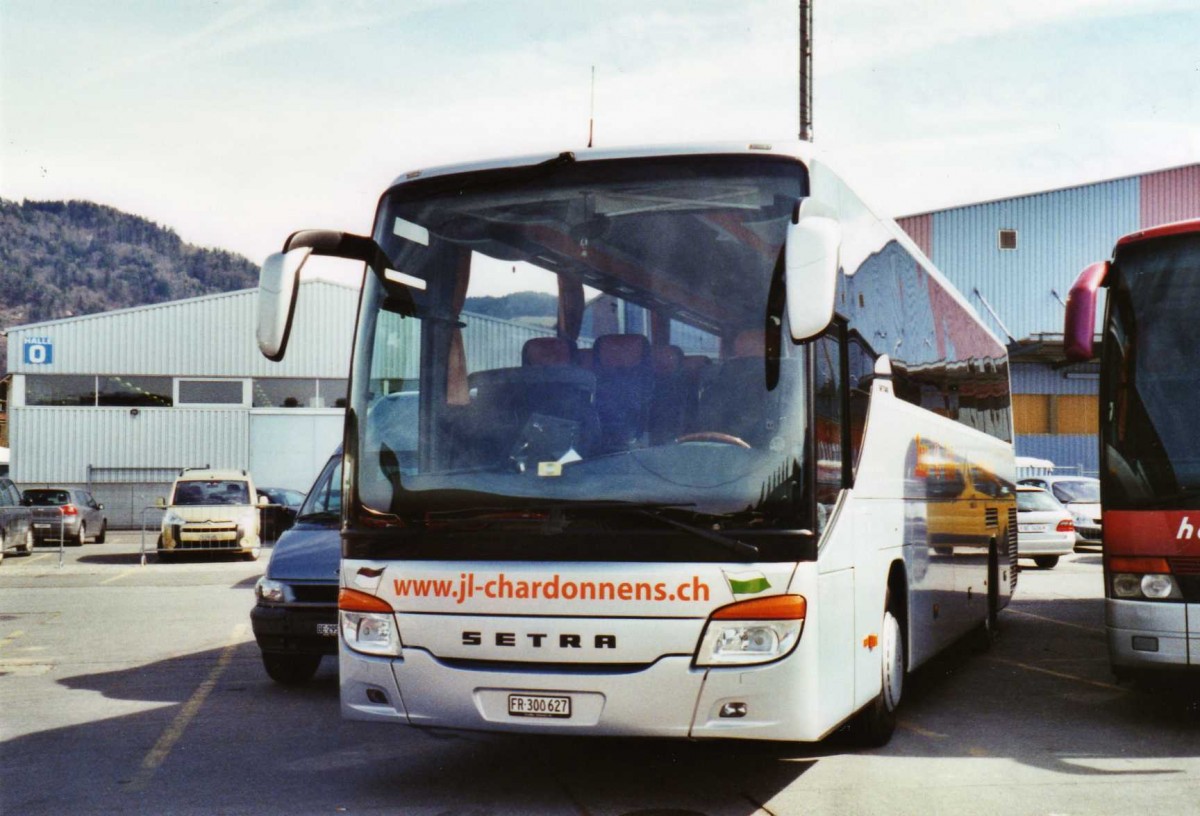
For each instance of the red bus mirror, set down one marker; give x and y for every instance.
(1079, 326)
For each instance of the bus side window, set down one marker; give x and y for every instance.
(829, 413)
(861, 369)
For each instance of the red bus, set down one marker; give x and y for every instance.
(1149, 448)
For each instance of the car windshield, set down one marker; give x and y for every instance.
(325, 498)
(47, 498)
(584, 332)
(216, 491)
(1034, 500)
(1084, 490)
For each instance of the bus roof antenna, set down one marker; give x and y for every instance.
(806, 62)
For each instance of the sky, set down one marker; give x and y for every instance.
(236, 123)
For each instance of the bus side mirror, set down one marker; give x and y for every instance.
(1079, 325)
(277, 289)
(160, 503)
(811, 267)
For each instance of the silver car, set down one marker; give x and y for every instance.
(65, 513)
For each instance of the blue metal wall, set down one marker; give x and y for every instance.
(1077, 454)
(1040, 378)
(1058, 234)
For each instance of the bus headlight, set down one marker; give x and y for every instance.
(368, 624)
(752, 632)
(1143, 579)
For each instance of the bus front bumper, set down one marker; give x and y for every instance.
(1149, 635)
(669, 698)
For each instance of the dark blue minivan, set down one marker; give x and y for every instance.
(295, 617)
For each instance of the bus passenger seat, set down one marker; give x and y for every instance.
(565, 392)
(624, 386)
(669, 401)
(729, 401)
(547, 351)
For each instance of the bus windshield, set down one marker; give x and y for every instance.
(1152, 451)
(583, 334)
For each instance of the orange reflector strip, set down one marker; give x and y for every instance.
(351, 600)
(777, 607)
(1128, 564)
(871, 641)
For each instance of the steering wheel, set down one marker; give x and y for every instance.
(714, 436)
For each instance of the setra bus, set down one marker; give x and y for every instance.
(676, 442)
(1149, 451)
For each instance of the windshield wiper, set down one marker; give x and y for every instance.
(552, 517)
(734, 545)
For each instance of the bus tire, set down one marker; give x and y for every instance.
(1046, 561)
(986, 633)
(874, 725)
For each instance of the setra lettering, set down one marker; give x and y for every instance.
(539, 640)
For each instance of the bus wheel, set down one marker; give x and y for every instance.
(874, 725)
(989, 629)
(1046, 561)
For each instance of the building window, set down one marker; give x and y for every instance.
(1008, 239)
(332, 393)
(284, 393)
(211, 392)
(149, 392)
(60, 389)
(1032, 413)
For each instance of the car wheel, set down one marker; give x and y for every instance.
(290, 669)
(1046, 561)
(29, 542)
(252, 554)
(103, 532)
(873, 726)
(165, 556)
(77, 541)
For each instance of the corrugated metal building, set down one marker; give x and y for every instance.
(1015, 260)
(120, 401)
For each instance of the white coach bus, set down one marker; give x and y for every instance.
(676, 442)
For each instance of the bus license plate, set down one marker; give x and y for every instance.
(536, 705)
(327, 629)
(1031, 528)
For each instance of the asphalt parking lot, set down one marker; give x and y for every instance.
(139, 689)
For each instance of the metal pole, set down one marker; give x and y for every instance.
(806, 54)
(62, 535)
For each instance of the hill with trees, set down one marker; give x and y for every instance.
(67, 258)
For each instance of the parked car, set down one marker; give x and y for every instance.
(280, 514)
(295, 617)
(1045, 530)
(16, 531)
(65, 513)
(1081, 496)
(211, 510)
